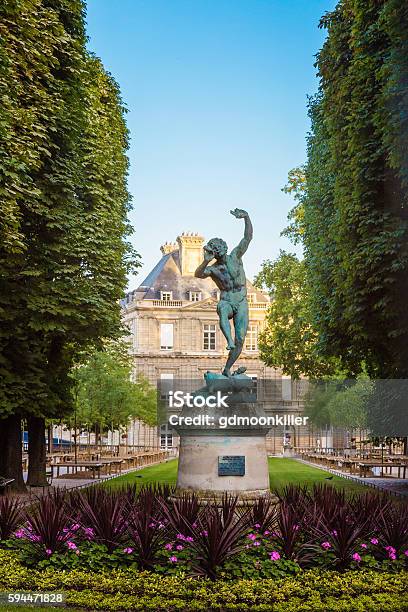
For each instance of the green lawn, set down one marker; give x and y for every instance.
(282, 472)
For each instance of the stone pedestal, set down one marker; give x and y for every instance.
(216, 459)
(199, 464)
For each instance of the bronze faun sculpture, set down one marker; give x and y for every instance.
(228, 274)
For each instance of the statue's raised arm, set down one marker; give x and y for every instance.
(248, 232)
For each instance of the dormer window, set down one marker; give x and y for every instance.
(195, 296)
(166, 296)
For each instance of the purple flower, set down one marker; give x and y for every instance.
(392, 556)
(256, 544)
(364, 546)
(48, 552)
(274, 555)
(194, 525)
(374, 541)
(128, 550)
(266, 532)
(257, 525)
(406, 553)
(152, 524)
(34, 538)
(252, 536)
(356, 557)
(190, 539)
(173, 559)
(326, 545)
(20, 533)
(295, 527)
(168, 546)
(179, 547)
(180, 536)
(75, 527)
(390, 549)
(334, 532)
(72, 546)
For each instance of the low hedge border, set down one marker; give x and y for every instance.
(312, 590)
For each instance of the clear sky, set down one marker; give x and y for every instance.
(216, 92)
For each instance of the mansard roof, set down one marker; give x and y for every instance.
(167, 276)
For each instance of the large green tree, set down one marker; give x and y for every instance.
(289, 340)
(63, 255)
(105, 395)
(355, 225)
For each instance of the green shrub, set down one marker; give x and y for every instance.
(312, 590)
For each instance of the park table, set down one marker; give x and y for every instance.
(364, 467)
(94, 466)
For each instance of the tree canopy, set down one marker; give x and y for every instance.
(355, 207)
(288, 340)
(105, 395)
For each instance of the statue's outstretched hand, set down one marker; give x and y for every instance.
(239, 213)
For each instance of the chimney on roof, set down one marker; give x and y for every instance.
(190, 252)
(168, 247)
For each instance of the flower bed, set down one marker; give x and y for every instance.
(99, 529)
(313, 590)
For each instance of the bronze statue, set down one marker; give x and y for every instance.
(228, 274)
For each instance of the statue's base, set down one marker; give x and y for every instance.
(228, 456)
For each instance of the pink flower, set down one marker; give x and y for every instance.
(334, 532)
(392, 556)
(374, 541)
(89, 532)
(169, 546)
(75, 527)
(252, 536)
(128, 550)
(180, 536)
(72, 546)
(256, 544)
(194, 525)
(364, 546)
(390, 549)
(266, 532)
(274, 555)
(356, 557)
(173, 559)
(406, 553)
(257, 525)
(48, 552)
(295, 527)
(179, 547)
(190, 539)
(326, 545)
(20, 533)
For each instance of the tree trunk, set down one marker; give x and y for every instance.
(36, 452)
(11, 455)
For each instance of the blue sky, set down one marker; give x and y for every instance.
(216, 92)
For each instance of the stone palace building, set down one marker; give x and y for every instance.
(174, 334)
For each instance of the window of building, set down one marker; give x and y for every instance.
(166, 296)
(251, 340)
(166, 384)
(195, 296)
(251, 298)
(209, 337)
(287, 388)
(166, 336)
(166, 437)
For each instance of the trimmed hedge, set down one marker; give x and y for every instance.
(317, 591)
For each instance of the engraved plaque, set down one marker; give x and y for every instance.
(231, 465)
